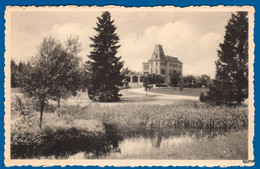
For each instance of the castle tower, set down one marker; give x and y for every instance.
(158, 53)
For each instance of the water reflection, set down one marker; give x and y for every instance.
(154, 142)
(119, 142)
(134, 143)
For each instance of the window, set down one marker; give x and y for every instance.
(163, 64)
(151, 63)
(162, 71)
(151, 70)
(146, 67)
(156, 71)
(156, 63)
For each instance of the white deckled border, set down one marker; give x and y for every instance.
(201, 163)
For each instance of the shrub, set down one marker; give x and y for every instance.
(203, 96)
(62, 142)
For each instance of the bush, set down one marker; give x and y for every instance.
(203, 96)
(62, 142)
(218, 94)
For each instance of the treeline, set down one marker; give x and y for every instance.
(17, 69)
(189, 81)
(196, 81)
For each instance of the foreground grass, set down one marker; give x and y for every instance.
(185, 92)
(185, 114)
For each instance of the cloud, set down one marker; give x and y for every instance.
(196, 49)
(63, 31)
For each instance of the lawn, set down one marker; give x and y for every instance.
(185, 92)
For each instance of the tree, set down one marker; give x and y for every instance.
(180, 85)
(49, 74)
(232, 65)
(146, 84)
(155, 79)
(125, 71)
(104, 67)
(174, 78)
(189, 81)
(204, 80)
(72, 75)
(14, 71)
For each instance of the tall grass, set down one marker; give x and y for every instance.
(185, 114)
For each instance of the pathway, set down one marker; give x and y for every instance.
(133, 96)
(163, 96)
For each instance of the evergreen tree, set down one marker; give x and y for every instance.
(104, 67)
(232, 65)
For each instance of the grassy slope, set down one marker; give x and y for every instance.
(185, 92)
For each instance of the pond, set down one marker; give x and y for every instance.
(168, 143)
(124, 142)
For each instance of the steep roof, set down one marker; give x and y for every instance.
(158, 53)
(173, 59)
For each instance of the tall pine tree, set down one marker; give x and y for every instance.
(104, 67)
(232, 65)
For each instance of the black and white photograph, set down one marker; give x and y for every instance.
(129, 86)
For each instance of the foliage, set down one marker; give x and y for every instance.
(189, 81)
(62, 142)
(216, 95)
(52, 74)
(125, 71)
(70, 75)
(126, 84)
(16, 70)
(196, 81)
(147, 84)
(155, 79)
(180, 85)
(232, 65)
(175, 78)
(205, 81)
(104, 67)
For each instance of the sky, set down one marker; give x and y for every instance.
(193, 37)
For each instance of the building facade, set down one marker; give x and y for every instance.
(162, 64)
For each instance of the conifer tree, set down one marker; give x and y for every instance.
(231, 81)
(232, 65)
(104, 67)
